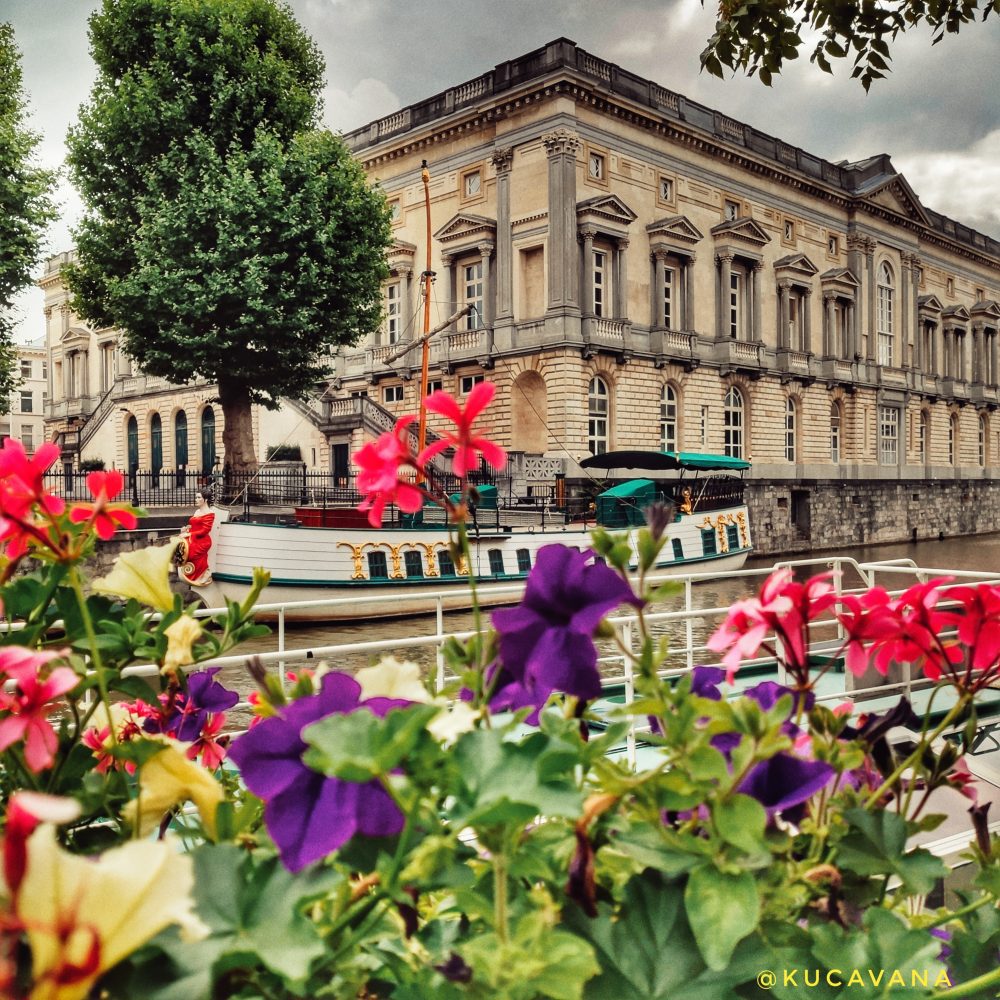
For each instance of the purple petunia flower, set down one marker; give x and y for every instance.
(706, 681)
(307, 813)
(205, 697)
(546, 643)
(785, 781)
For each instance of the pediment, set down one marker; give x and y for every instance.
(742, 229)
(401, 248)
(929, 303)
(989, 308)
(466, 226)
(677, 227)
(896, 195)
(605, 208)
(956, 312)
(797, 263)
(840, 275)
(76, 337)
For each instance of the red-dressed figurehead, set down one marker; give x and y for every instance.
(196, 540)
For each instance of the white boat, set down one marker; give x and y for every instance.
(323, 554)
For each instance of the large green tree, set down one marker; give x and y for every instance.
(759, 36)
(26, 206)
(226, 235)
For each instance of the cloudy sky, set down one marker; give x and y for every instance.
(937, 114)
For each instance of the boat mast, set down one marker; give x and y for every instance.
(428, 277)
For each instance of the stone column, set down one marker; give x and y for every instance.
(689, 314)
(977, 353)
(621, 279)
(807, 319)
(659, 270)
(904, 308)
(449, 288)
(872, 352)
(993, 358)
(725, 265)
(561, 147)
(486, 253)
(919, 361)
(587, 277)
(502, 160)
(68, 374)
(405, 308)
(756, 303)
(950, 365)
(784, 289)
(829, 324)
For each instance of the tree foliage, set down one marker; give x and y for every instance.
(759, 36)
(26, 206)
(226, 235)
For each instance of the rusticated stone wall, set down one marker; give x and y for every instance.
(821, 514)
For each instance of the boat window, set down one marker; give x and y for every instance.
(708, 541)
(445, 565)
(377, 567)
(523, 560)
(678, 548)
(496, 561)
(733, 536)
(414, 565)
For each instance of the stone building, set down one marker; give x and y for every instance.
(646, 272)
(642, 272)
(26, 417)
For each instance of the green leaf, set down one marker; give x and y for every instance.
(740, 821)
(722, 910)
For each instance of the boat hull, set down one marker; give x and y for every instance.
(360, 567)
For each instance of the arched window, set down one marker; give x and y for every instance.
(207, 440)
(924, 437)
(598, 407)
(790, 430)
(132, 440)
(953, 440)
(733, 423)
(835, 430)
(886, 303)
(668, 419)
(983, 438)
(156, 448)
(181, 446)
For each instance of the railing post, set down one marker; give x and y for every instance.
(439, 654)
(629, 692)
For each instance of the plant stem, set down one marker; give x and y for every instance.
(95, 652)
(973, 987)
(955, 914)
(500, 896)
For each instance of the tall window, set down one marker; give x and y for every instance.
(668, 418)
(670, 299)
(472, 282)
(796, 319)
(601, 297)
(923, 436)
(27, 405)
(790, 434)
(835, 422)
(28, 437)
(982, 441)
(180, 439)
(886, 294)
(156, 444)
(207, 440)
(25, 368)
(733, 423)
(953, 440)
(888, 435)
(597, 410)
(736, 311)
(703, 427)
(392, 312)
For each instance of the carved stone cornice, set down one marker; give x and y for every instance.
(502, 158)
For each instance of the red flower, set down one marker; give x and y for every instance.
(917, 639)
(211, 750)
(21, 489)
(31, 702)
(467, 446)
(379, 462)
(104, 486)
(867, 621)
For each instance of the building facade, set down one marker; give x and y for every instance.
(26, 419)
(640, 271)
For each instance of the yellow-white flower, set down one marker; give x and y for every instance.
(144, 575)
(453, 720)
(390, 678)
(83, 915)
(168, 779)
(181, 636)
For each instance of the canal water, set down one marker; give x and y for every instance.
(980, 553)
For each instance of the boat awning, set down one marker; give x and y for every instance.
(664, 460)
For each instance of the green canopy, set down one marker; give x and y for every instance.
(663, 460)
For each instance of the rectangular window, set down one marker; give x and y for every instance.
(708, 546)
(434, 385)
(413, 565)
(28, 437)
(703, 427)
(732, 536)
(45, 369)
(446, 567)
(888, 435)
(496, 562)
(731, 210)
(466, 382)
(472, 284)
(666, 192)
(789, 231)
(27, 402)
(378, 569)
(600, 282)
(25, 368)
(393, 394)
(833, 246)
(835, 438)
(678, 547)
(669, 282)
(523, 561)
(392, 312)
(735, 304)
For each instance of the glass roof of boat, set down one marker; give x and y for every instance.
(660, 460)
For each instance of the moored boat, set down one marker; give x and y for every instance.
(323, 554)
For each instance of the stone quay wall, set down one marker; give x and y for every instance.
(797, 516)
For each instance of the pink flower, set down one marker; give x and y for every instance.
(104, 486)
(467, 446)
(977, 620)
(21, 490)
(379, 462)
(866, 620)
(31, 703)
(211, 750)
(917, 639)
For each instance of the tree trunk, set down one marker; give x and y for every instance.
(237, 434)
